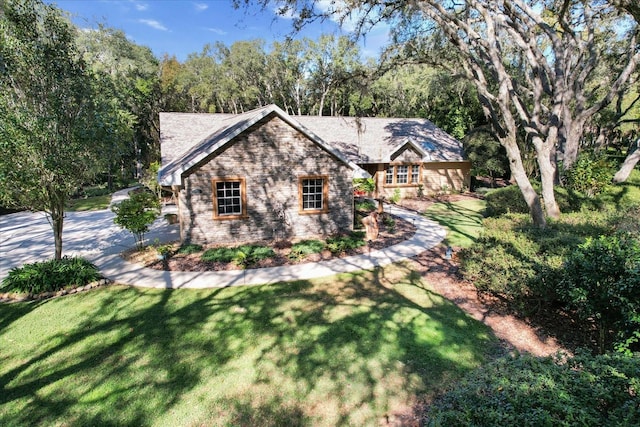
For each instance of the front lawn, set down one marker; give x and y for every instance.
(462, 219)
(92, 203)
(353, 349)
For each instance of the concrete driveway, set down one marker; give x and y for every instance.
(28, 237)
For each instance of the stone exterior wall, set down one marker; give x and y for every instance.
(271, 156)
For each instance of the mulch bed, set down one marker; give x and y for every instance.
(389, 236)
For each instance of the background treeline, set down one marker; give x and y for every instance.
(315, 77)
(304, 77)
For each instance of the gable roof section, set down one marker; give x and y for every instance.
(224, 128)
(374, 139)
(412, 144)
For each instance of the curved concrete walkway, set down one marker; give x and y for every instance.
(27, 237)
(428, 235)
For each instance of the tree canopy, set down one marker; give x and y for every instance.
(48, 115)
(542, 69)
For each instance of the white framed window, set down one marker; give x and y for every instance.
(229, 198)
(402, 174)
(415, 174)
(313, 192)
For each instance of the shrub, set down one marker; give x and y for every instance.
(218, 255)
(519, 262)
(306, 247)
(510, 200)
(389, 223)
(242, 255)
(505, 200)
(190, 248)
(367, 185)
(601, 281)
(50, 276)
(340, 244)
(395, 198)
(257, 253)
(137, 213)
(365, 205)
(590, 174)
(524, 390)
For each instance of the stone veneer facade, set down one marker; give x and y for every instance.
(271, 157)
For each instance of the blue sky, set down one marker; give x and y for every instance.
(182, 27)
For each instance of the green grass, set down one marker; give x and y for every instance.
(93, 203)
(462, 219)
(346, 350)
(624, 194)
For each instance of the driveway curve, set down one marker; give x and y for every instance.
(27, 237)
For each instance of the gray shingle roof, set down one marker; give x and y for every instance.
(372, 140)
(187, 138)
(179, 131)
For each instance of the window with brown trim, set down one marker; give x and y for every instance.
(403, 175)
(229, 198)
(313, 193)
(415, 174)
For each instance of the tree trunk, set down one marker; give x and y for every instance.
(547, 176)
(322, 98)
(520, 175)
(629, 163)
(57, 222)
(574, 133)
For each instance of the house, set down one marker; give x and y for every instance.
(265, 175)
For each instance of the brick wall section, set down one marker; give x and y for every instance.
(271, 156)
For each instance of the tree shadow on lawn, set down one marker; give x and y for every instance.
(347, 350)
(10, 312)
(458, 218)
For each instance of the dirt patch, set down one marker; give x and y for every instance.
(514, 333)
(391, 233)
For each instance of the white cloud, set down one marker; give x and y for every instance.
(200, 7)
(217, 31)
(153, 24)
(140, 7)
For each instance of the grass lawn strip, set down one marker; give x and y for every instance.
(462, 219)
(352, 349)
(93, 203)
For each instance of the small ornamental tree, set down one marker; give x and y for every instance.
(137, 213)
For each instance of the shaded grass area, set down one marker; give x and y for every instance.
(351, 349)
(463, 220)
(93, 203)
